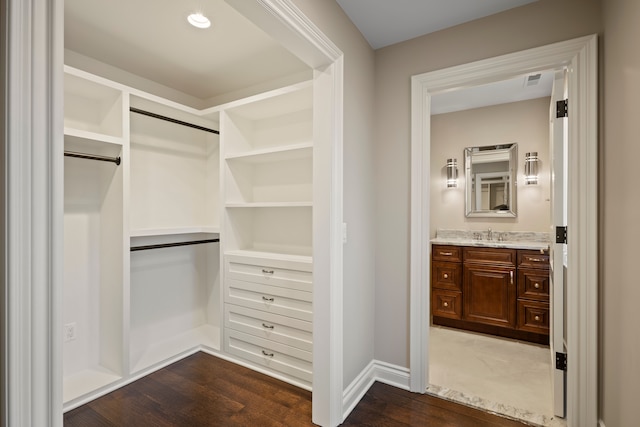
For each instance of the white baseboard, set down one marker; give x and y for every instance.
(387, 373)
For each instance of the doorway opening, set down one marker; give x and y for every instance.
(580, 58)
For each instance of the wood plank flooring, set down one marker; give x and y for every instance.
(203, 390)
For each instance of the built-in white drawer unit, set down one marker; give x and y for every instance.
(289, 274)
(278, 357)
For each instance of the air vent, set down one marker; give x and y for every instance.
(532, 80)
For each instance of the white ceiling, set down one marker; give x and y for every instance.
(152, 39)
(386, 22)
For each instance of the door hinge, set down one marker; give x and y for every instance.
(561, 361)
(561, 234)
(562, 108)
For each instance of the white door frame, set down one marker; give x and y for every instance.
(33, 149)
(580, 57)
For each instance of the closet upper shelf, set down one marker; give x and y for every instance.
(274, 154)
(149, 232)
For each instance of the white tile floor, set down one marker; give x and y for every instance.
(500, 371)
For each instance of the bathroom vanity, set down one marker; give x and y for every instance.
(494, 287)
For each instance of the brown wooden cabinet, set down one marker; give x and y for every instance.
(492, 290)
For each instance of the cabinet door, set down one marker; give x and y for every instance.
(489, 295)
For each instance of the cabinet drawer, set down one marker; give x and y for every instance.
(290, 361)
(446, 275)
(446, 303)
(446, 253)
(493, 256)
(269, 272)
(533, 316)
(533, 284)
(271, 299)
(285, 330)
(533, 259)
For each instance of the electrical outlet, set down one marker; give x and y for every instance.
(69, 332)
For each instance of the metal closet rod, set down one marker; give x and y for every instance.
(116, 160)
(172, 120)
(170, 245)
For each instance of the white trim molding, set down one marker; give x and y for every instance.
(579, 57)
(34, 187)
(393, 375)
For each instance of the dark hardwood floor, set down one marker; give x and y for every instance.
(203, 390)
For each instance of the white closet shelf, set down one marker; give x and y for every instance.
(270, 205)
(274, 154)
(80, 383)
(148, 232)
(85, 136)
(247, 253)
(203, 336)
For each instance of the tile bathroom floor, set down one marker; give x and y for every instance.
(505, 376)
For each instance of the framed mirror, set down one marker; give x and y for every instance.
(490, 173)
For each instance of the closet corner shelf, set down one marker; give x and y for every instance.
(149, 232)
(270, 205)
(274, 154)
(78, 136)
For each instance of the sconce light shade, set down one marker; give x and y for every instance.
(452, 173)
(531, 168)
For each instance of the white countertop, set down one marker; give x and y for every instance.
(519, 244)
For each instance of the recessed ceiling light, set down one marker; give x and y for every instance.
(199, 20)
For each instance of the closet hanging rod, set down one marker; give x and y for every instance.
(169, 119)
(116, 160)
(170, 245)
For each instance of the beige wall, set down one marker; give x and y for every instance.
(620, 210)
(536, 24)
(524, 122)
(359, 181)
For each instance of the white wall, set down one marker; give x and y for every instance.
(525, 123)
(359, 182)
(536, 24)
(619, 207)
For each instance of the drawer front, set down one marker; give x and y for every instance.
(278, 357)
(271, 299)
(446, 303)
(533, 316)
(268, 273)
(446, 275)
(533, 259)
(285, 330)
(446, 253)
(493, 256)
(533, 284)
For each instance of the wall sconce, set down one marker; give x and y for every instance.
(531, 168)
(452, 173)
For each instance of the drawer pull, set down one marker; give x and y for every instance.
(264, 325)
(265, 271)
(264, 353)
(536, 259)
(536, 285)
(446, 304)
(446, 253)
(511, 275)
(268, 299)
(537, 318)
(445, 275)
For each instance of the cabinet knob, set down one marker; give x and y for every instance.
(446, 304)
(445, 275)
(536, 285)
(537, 318)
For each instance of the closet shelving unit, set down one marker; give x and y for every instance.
(267, 228)
(193, 241)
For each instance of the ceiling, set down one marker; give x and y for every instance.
(386, 22)
(152, 39)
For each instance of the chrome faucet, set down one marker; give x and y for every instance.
(490, 234)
